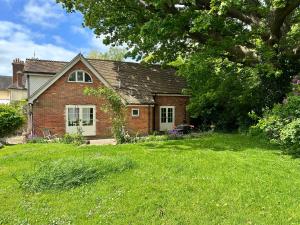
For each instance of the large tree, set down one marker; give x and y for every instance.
(257, 39)
(242, 29)
(113, 53)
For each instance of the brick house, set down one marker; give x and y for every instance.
(152, 96)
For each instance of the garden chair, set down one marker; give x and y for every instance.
(47, 134)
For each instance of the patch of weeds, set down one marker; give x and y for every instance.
(71, 173)
(35, 140)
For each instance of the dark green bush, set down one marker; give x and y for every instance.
(71, 173)
(11, 119)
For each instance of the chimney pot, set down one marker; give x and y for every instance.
(18, 67)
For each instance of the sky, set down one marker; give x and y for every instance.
(43, 29)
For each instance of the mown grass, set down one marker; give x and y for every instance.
(214, 179)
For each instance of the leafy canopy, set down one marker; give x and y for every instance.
(237, 55)
(243, 30)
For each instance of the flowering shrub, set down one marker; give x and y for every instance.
(282, 125)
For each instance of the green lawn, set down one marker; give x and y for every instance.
(214, 179)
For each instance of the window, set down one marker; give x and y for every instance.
(163, 115)
(73, 117)
(87, 116)
(135, 112)
(80, 76)
(170, 115)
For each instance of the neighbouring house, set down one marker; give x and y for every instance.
(18, 90)
(152, 95)
(5, 82)
(13, 88)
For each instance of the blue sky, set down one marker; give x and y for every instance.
(43, 27)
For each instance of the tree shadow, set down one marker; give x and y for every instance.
(219, 142)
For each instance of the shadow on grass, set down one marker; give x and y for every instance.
(215, 142)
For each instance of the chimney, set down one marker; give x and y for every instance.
(18, 67)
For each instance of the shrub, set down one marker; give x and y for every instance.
(11, 119)
(71, 173)
(77, 139)
(290, 137)
(282, 125)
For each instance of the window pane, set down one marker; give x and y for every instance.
(135, 112)
(87, 116)
(73, 117)
(170, 115)
(87, 78)
(72, 77)
(163, 115)
(79, 76)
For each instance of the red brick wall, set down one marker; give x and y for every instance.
(180, 103)
(143, 123)
(49, 108)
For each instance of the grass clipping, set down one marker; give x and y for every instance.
(71, 173)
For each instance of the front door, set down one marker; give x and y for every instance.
(167, 118)
(81, 118)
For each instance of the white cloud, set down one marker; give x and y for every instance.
(17, 41)
(46, 13)
(93, 41)
(58, 39)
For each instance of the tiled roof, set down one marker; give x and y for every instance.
(137, 83)
(43, 66)
(5, 82)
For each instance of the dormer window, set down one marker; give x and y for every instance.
(80, 76)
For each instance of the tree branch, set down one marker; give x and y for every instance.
(280, 15)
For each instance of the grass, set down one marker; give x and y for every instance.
(70, 173)
(213, 179)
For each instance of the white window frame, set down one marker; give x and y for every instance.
(138, 110)
(87, 130)
(76, 79)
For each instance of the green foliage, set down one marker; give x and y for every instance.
(11, 119)
(65, 174)
(223, 93)
(117, 54)
(290, 136)
(35, 140)
(238, 56)
(77, 139)
(115, 108)
(281, 125)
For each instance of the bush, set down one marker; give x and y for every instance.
(77, 139)
(290, 137)
(71, 173)
(282, 125)
(11, 119)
